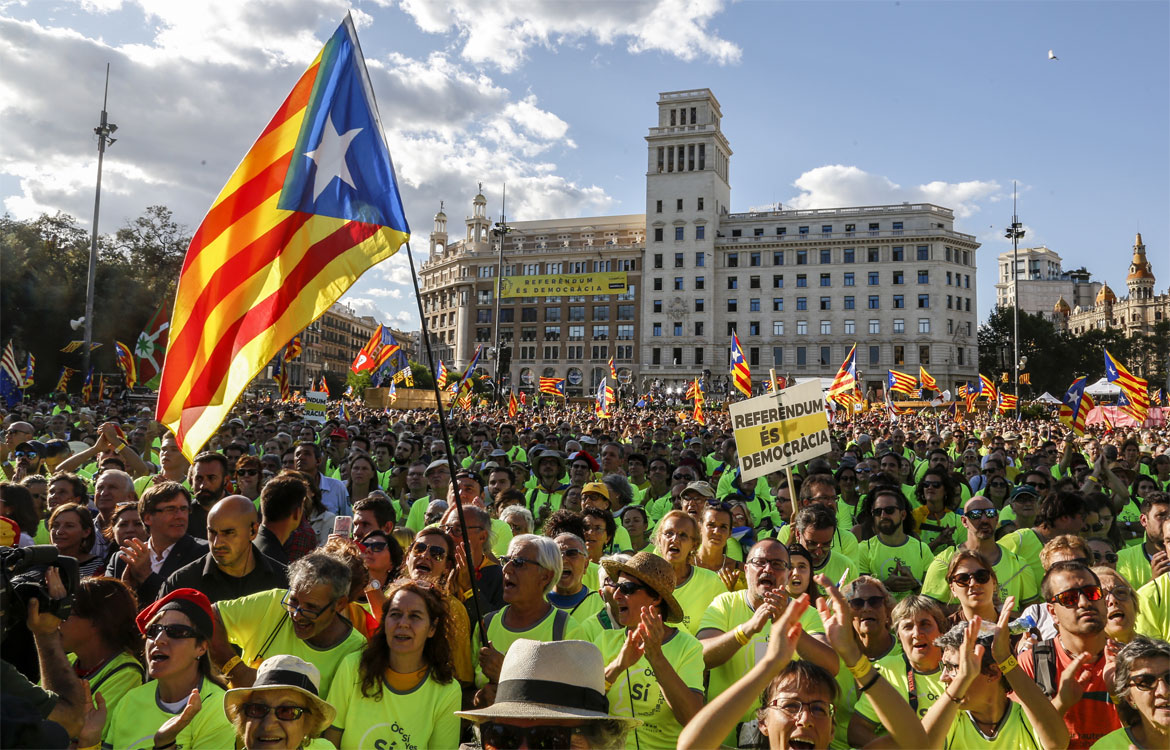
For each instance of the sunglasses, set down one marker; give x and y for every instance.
(1037, 485)
(1072, 597)
(1109, 557)
(375, 546)
(247, 472)
(174, 632)
(931, 485)
(519, 562)
(1120, 593)
(632, 587)
(571, 552)
(964, 579)
(284, 713)
(1096, 526)
(25, 454)
(496, 736)
(977, 513)
(436, 553)
(885, 510)
(861, 602)
(1148, 681)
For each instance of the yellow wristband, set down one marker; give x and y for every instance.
(741, 636)
(861, 668)
(230, 665)
(1008, 665)
(608, 685)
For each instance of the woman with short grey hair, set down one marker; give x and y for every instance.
(1141, 680)
(519, 519)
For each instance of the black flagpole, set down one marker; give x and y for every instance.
(450, 456)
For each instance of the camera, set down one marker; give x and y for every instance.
(22, 578)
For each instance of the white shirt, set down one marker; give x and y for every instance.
(157, 558)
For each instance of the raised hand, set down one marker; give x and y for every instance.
(970, 657)
(632, 649)
(653, 631)
(785, 633)
(730, 577)
(137, 557)
(167, 733)
(838, 621)
(1074, 680)
(1001, 645)
(95, 719)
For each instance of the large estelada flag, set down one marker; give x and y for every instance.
(900, 382)
(313, 205)
(377, 350)
(927, 379)
(1135, 389)
(741, 376)
(845, 382)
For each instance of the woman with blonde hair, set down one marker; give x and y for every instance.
(676, 541)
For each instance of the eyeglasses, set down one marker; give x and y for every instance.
(976, 513)
(820, 710)
(498, 736)
(1072, 597)
(453, 529)
(284, 713)
(436, 553)
(1109, 557)
(571, 552)
(375, 546)
(885, 510)
(298, 610)
(519, 562)
(170, 510)
(932, 484)
(632, 587)
(174, 632)
(1148, 680)
(777, 565)
(964, 579)
(861, 602)
(247, 473)
(683, 477)
(25, 454)
(1120, 593)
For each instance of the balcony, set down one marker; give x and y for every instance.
(818, 238)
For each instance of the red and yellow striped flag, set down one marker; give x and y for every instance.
(313, 205)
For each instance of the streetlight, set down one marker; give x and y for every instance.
(103, 131)
(1015, 233)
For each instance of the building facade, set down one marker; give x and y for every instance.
(799, 287)
(1137, 313)
(1043, 283)
(572, 337)
(332, 341)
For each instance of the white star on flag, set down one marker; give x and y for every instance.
(329, 157)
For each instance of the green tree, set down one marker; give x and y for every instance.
(422, 375)
(359, 380)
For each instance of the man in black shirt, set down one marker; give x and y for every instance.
(282, 503)
(234, 566)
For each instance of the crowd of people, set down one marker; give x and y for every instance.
(552, 580)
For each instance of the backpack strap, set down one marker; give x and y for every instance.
(560, 623)
(1044, 656)
(95, 686)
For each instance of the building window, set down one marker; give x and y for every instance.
(949, 306)
(699, 328)
(528, 314)
(777, 355)
(959, 350)
(899, 301)
(849, 303)
(872, 255)
(874, 278)
(732, 305)
(700, 282)
(898, 277)
(576, 333)
(753, 328)
(658, 260)
(600, 332)
(801, 356)
(754, 259)
(899, 354)
(778, 258)
(733, 260)
(850, 327)
(826, 355)
(657, 309)
(874, 355)
(528, 333)
(679, 233)
(826, 303)
(698, 355)
(678, 204)
(826, 279)
(923, 252)
(924, 277)
(924, 325)
(507, 315)
(678, 329)
(656, 356)
(699, 304)
(899, 325)
(802, 328)
(897, 254)
(801, 280)
(753, 282)
(678, 284)
(777, 327)
(552, 352)
(601, 352)
(758, 232)
(803, 231)
(485, 315)
(699, 206)
(658, 234)
(778, 281)
(754, 304)
(848, 279)
(601, 312)
(826, 327)
(802, 255)
(678, 260)
(657, 329)
(826, 257)
(733, 282)
(676, 355)
(658, 204)
(873, 303)
(701, 233)
(923, 301)
(802, 303)
(625, 312)
(875, 326)
(777, 304)
(847, 255)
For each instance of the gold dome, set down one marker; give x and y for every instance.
(1106, 296)
(1061, 307)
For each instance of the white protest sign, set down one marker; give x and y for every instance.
(778, 430)
(315, 406)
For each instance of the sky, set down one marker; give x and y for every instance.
(825, 104)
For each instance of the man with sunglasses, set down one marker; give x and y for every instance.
(1141, 563)
(980, 518)
(233, 566)
(892, 555)
(1077, 605)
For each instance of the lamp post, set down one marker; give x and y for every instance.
(1014, 233)
(103, 131)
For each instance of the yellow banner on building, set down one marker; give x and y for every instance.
(554, 285)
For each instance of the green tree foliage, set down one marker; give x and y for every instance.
(45, 264)
(359, 380)
(422, 375)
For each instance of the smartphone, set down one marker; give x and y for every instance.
(343, 526)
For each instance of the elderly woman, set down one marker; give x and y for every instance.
(676, 541)
(519, 519)
(72, 531)
(282, 710)
(182, 704)
(400, 691)
(871, 606)
(531, 570)
(1141, 679)
(974, 584)
(655, 672)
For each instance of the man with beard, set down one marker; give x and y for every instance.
(815, 527)
(334, 496)
(1077, 604)
(209, 485)
(549, 490)
(234, 566)
(1141, 563)
(165, 509)
(735, 628)
(894, 557)
(1014, 575)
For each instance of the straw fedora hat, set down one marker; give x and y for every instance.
(286, 672)
(556, 680)
(653, 571)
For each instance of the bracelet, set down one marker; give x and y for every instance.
(740, 636)
(1008, 665)
(955, 700)
(861, 668)
(231, 664)
(608, 685)
(1094, 479)
(877, 676)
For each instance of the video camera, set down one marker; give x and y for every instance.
(22, 578)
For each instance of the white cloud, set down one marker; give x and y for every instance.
(501, 32)
(382, 292)
(838, 185)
